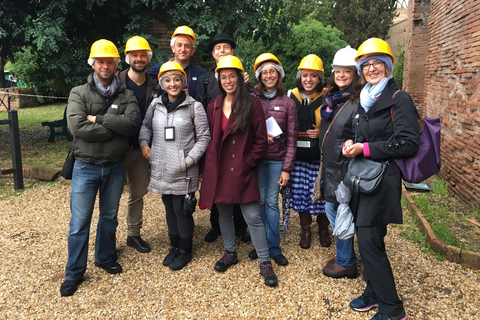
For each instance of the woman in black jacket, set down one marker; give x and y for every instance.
(341, 103)
(374, 124)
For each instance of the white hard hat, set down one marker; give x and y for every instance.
(345, 57)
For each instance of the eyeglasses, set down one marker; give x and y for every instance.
(231, 77)
(269, 72)
(375, 64)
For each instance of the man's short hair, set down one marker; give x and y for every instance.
(172, 42)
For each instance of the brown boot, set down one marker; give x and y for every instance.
(323, 232)
(306, 236)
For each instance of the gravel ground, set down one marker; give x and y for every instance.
(33, 247)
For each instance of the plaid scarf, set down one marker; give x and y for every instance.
(332, 100)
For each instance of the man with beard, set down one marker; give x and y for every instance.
(101, 115)
(145, 88)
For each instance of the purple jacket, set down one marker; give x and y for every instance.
(284, 111)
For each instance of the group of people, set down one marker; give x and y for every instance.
(174, 128)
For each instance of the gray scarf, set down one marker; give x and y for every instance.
(108, 91)
(269, 95)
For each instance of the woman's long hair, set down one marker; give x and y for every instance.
(356, 86)
(241, 105)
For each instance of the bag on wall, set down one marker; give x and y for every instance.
(427, 161)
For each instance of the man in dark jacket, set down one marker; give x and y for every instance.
(145, 88)
(207, 90)
(101, 114)
(183, 43)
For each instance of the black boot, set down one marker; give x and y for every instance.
(184, 255)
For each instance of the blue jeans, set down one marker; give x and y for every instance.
(87, 180)
(345, 252)
(269, 172)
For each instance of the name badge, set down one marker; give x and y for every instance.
(194, 78)
(303, 144)
(276, 108)
(114, 106)
(169, 133)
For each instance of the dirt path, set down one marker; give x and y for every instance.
(33, 247)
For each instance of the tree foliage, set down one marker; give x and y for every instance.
(49, 41)
(363, 19)
(309, 36)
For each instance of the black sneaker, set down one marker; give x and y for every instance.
(227, 259)
(69, 287)
(181, 260)
(266, 270)
(280, 259)
(381, 316)
(363, 303)
(253, 254)
(170, 256)
(212, 235)
(110, 267)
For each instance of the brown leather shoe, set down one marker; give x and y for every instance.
(332, 261)
(323, 231)
(337, 271)
(306, 235)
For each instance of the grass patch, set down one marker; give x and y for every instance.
(35, 150)
(29, 118)
(446, 216)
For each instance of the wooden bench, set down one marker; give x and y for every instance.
(62, 124)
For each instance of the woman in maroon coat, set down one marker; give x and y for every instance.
(230, 174)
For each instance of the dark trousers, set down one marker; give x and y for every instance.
(377, 271)
(238, 219)
(180, 226)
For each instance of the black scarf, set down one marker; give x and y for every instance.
(332, 100)
(172, 105)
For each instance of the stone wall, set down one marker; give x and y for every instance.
(447, 83)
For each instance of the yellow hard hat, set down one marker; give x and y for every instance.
(171, 66)
(312, 62)
(103, 49)
(265, 57)
(137, 43)
(372, 46)
(186, 31)
(229, 62)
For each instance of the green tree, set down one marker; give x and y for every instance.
(363, 19)
(13, 16)
(59, 33)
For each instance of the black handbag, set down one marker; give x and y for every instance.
(364, 175)
(67, 169)
(189, 202)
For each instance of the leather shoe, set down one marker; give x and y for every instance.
(246, 237)
(69, 287)
(280, 259)
(212, 235)
(253, 254)
(138, 243)
(335, 270)
(332, 261)
(110, 267)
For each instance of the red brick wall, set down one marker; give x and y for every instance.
(416, 50)
(451, 85)
(452, 90)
